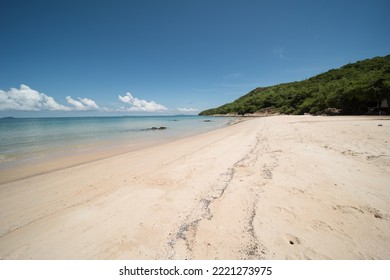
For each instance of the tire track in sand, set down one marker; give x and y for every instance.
(222, 224)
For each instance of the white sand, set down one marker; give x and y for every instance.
(268, 188)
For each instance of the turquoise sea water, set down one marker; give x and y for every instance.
(29, 139)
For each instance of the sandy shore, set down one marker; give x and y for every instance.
(268, 188)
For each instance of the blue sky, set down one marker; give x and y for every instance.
(65, 58)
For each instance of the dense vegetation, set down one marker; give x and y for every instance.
(351, 89)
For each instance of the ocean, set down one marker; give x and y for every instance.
(31, 140)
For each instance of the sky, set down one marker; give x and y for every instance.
(145, 57)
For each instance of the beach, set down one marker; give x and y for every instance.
(279, 187)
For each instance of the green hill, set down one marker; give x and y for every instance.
(351, 89)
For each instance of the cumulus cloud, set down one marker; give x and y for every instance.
(27, 99)
(187, 110)
(140, 105)
(83, 105)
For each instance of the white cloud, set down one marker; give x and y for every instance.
(83, 105)
(77, 104)
(89, 103)
(140, 105)
(187, 110)
(27, 99)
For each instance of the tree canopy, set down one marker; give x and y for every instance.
(350, 89)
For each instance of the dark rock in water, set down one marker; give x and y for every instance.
(207, 121)
(158, 128)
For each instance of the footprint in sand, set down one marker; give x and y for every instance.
(348, 209)
(362, 210)
(321, 225)
(296, 191)
(376, 213)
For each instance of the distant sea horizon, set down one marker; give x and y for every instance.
(38, 116)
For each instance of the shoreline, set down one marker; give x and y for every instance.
(62, 157)
(281, 187)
